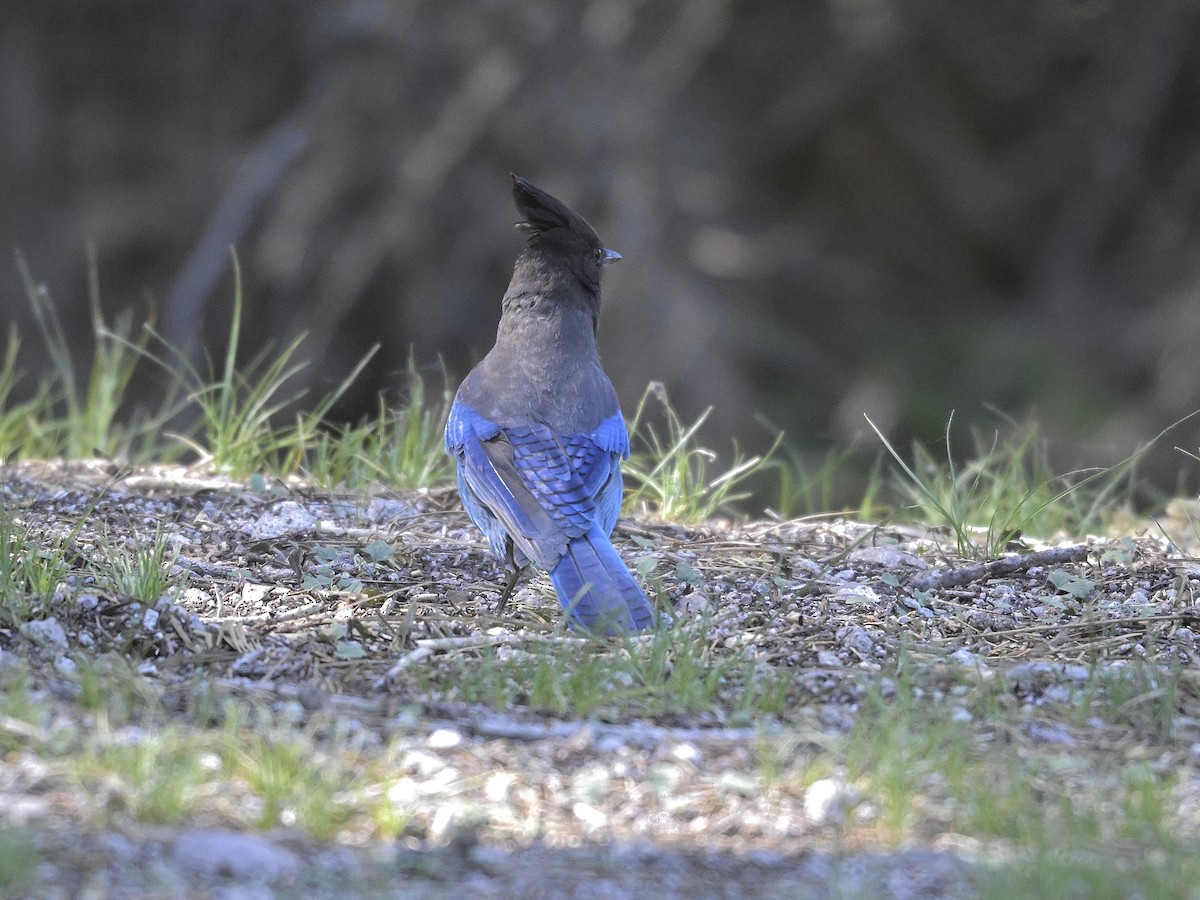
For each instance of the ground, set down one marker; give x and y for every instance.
(314, 695)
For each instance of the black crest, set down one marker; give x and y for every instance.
(544, 213)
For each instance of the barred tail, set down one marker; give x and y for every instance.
(597, 591)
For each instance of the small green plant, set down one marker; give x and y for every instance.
(18, 859)
(293, 786)
(805, 489)
(17, 703)
(1005, 489)
(897, 747)
(238, 407)
(19, 421)
(401, 447)
(670, 672)
(16, 552)
(109, 686)
(89, 422)
(670, 472)
(30, 569)
(155, 773)
(1141, 697)
(33, 566)
(1126, 842)
(141, 572)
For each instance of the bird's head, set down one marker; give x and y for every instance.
(556, 230)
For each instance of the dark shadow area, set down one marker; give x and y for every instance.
(901, 209)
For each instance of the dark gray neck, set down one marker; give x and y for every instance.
(545, 366)
(545, 300)
(545, 329)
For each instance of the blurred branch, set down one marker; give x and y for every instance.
(257, 177)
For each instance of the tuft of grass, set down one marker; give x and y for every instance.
(30, 569)
(155, 775)
(109, 687)
(143, 573)
(71, 414)
(897, 753)
(1051, 822)
(805, 489)
(19, 422)
(669, 672)
(239, 407)
(401, 447)
(33, 566)
(18, 859)
(669, 472)
(17, 703)
(1006, 489)
(287, 779)
(1141, 697)
(1125, 842)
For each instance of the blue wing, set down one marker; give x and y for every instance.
(557, 498)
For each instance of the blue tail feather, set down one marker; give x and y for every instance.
(596, 590)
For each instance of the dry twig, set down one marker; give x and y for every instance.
(1004, 566)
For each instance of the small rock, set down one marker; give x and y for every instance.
(965, 657)
(738, 783)
(1044, 733)
(444, 739)
(386, 509)
(828, 800)
(194, 597)
(591, 817)
(119, 847)
(422, 763)
(609, 743)
(766, 858)
(685, 752)
(254, 594)
(591, 785)
(811, 566)
(856, 593)
(836, 716)
(234, 855)
(856, 639)
(696, 602)
(496, 787)
(1039, 674)
(45, 633)
(403, 792)
(283, 518)
(886, 556)
(828, 659)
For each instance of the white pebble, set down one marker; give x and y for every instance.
(444, 739)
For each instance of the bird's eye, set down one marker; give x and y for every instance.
(599, 254)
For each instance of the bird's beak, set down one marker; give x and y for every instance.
(610, 256)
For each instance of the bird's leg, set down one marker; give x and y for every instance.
(514, 575)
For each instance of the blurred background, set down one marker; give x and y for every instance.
(894, 207)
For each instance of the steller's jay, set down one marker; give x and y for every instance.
(536, 430)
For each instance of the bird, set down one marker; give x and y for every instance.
(536, 430)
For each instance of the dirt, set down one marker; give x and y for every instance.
(325, 607)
